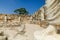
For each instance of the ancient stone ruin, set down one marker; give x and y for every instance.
(43, 25)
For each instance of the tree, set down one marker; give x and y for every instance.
(21, 11)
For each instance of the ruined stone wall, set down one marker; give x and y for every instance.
(14, 19)
(50, 12)
(11, 19)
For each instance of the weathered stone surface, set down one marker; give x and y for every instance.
(50, 12)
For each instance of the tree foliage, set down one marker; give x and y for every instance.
(21, 11)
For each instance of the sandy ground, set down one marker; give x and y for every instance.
(29, 34)
(30, 29)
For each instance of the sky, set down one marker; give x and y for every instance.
(8, 6)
